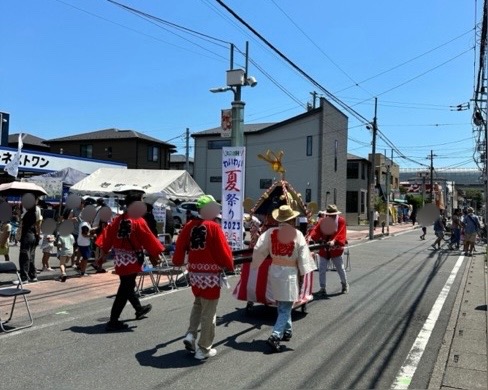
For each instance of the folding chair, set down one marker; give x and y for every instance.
(147, 271)
(172, 272)
(13, 292)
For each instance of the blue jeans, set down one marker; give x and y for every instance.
(456, 236)
(283, 322)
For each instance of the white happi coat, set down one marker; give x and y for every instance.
(288, 260)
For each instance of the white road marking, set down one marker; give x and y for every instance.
(407, 371)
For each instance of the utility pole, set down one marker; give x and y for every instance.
(314, 99)
(432, 155)
(388, 176)
(187, 154)
(372, 186)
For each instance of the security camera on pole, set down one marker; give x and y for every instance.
(233, 158)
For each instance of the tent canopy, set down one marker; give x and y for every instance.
(104, 181)
(68, 176)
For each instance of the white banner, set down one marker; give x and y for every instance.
(233, 178)
(49, 162)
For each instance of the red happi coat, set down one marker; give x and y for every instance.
(208, 253)
(339, 237)
(125, 249)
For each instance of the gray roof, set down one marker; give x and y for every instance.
(176, 158)
(108, 134)
(354, 157)
(248, 128)
(460, 176)
(28, 139)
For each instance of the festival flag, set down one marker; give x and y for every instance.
(12, 167)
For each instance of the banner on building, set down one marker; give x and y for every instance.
(233, 178)
(226, 123)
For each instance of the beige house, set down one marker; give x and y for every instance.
(315, 156)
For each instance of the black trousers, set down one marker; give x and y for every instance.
(27, 267)
(126, 292)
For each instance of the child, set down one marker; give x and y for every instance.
(65, 251)
(84, 246)
(47, 247)
(5, 230)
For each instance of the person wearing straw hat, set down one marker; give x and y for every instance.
(291, 259)
(332, 232)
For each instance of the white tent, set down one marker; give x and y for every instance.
(174, 184)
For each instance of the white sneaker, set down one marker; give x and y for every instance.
(189, 342)
(200, 354)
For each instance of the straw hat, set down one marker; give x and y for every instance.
(332, 210)
(284, 213)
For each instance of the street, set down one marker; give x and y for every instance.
(356, 341)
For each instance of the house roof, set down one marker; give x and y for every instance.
(248, 128)
(108, 134)
(354, 157)
(27, 139)
(177, 158)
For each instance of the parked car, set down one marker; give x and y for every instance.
(180, 212)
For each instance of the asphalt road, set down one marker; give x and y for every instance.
(355, 341)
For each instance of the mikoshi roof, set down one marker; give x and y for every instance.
(280, 193)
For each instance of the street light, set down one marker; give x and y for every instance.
(236, 79)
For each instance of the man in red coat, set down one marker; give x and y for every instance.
(129, 236)
(332, 232)
(208, 254)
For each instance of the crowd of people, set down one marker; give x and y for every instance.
(464, 226)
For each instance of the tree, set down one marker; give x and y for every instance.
(475, 196)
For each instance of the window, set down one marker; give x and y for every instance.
(351, 202)
(364, 171)
(215, 179)
(86, 151)
(363, 202)
(218, 144)
(308, 195)
(352, 170)
(265, 183)
(309, 145)
(153, 153)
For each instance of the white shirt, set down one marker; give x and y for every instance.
(82, 240)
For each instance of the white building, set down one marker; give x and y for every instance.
(315, 156)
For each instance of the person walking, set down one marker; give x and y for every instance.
(203, 240)
(332, 231)
(376, 218)
(456, 225)
(30, 229)
(471, 227)
(66, 245)
(439, 229)
(291, 260)
(128, 235)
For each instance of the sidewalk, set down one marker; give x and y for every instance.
(462, 360)
(361, 232)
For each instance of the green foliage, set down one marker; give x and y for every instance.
(415, 201)
(475, 196)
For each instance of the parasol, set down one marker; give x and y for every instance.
(19, 188)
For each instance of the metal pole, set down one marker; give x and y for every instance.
(237, 137)
(187, 154)
(372, 186)
(388, 199)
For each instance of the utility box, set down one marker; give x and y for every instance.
(235, 77)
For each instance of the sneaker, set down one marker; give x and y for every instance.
(16, 282)
(200, 354)
(286, 335)
(345, 288)
(143, 311)
(33, 280)
(101, 270)
(63, 278)
(321, 294)
(274, 343)
(115, 325)
(465, 253)
(189, 342)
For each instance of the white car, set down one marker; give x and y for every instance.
(180, 212)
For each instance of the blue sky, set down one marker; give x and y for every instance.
(70, 66)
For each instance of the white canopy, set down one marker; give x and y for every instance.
(174, 184)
